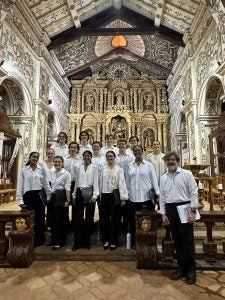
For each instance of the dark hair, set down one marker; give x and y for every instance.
(82, 133)
(112, 152)
(62, 132)
(134, 137)
(122, 141)
(108, 135)
(74, 143)
(172, 153)
(88, 152)
(156, 141)
(96, 142)
(28, 163)
(138, 146)
(60, 157)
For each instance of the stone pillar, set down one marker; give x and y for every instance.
(100, 109)
(103, 133)
(78, 131)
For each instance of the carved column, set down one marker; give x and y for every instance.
(78, 130)
(139, 132)
(160, 133)
(101, 101)
(131, 99)
(135, 100)
(78, 101)
(158, 96)
(165, 136)
(105, 104)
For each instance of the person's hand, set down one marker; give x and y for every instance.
(191, 217)
(67, 203)
(165, 220)
(93, 200)
(23, 206)
(123, 202)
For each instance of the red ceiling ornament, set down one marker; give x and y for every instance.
(119, 41)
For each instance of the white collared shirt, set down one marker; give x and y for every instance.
(62, 181)
(60, 150)
(99, 161)
(142, 179)
(177, 187)
(130, 152)
(123, 160)
(105, 149)
(158, 163)
(84, 148)
(49, 171)
(113, 178)
(87, 178)
(71, 164)
(30, 180)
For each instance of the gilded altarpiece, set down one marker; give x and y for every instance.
(123, 102)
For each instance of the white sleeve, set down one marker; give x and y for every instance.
(122, 185)
(20, 189)
(68, 182)
(162, 198)
(95, 182)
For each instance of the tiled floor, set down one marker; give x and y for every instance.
(103, 280)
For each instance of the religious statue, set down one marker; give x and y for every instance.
(119, 128)
(148, 138)
(119, 99)
(148, 102)
(89, 102)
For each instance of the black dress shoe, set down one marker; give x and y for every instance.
(106, 246)
(56, 247)
(75, 248)
(191, 277)
(178, 274)
(113, 247)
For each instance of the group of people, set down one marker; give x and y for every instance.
(121, 180)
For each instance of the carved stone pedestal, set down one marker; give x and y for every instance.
(210, 251)
(146, 240)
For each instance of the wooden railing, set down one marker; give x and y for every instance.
(16, 247)
(149, 256)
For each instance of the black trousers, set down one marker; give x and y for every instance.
(110, 219)
(82, 225)
(133, 207)
(59, 225)
(183, 237)
(34, 202)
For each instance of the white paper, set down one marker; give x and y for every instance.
(184, 211)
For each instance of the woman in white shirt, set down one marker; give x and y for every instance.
(142, 181)
(84, 197)
(60, 202)
(49, 168)
(32, 181)
(84, 145)
(113, 189)
(61, 147)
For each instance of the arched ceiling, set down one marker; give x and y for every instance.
(81, 32)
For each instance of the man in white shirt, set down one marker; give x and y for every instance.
(178, 187)
(84, 145)
(109, 145)
(61, 147)
(122, 160)
(156, 158)
(133, 140)
(97, 158)
(142, 182)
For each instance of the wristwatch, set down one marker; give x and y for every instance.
(193, 210)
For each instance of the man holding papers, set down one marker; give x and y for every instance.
(179, 189)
